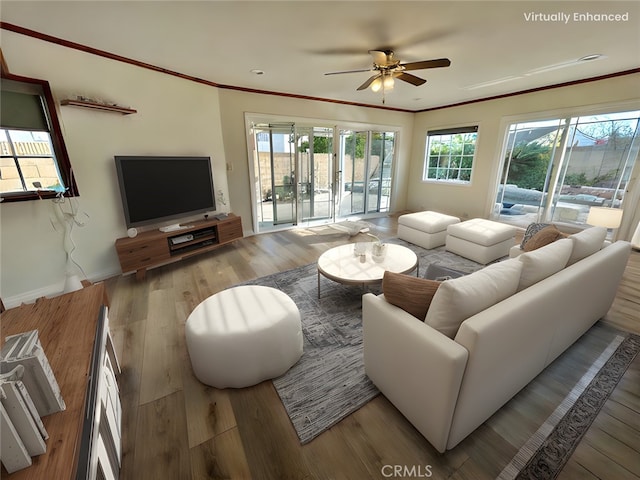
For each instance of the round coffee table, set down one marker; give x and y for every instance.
(342, 265)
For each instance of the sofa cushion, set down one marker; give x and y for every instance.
(460, 298)
(483, 232)
(531, 230)
(411, 294)
(543, 262)
(544, 237)
(587, 242)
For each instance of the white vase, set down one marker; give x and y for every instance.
(378, 251)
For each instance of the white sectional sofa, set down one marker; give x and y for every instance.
(447, 384)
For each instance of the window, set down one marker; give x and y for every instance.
(556, 170)
(33, 159)
(449, 155)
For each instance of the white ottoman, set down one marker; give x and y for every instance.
(244, 335)
(426, 229)
(480, 240)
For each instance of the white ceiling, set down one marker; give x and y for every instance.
(296, 42)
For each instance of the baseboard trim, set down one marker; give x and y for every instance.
(52, 290)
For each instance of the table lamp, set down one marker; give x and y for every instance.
(605, 217)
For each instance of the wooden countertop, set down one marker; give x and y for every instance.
(66, 327)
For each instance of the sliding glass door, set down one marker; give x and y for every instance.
(275, 174)
(381, 150)
(314, 146)
(352, 172)
(365, 160)
(556, 170)
(301, 176)
(293, 174)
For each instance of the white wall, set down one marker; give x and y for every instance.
(492, 117)
(175, 117)
(234, 104)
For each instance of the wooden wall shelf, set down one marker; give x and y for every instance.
(98, 106)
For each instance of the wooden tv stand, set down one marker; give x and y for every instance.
(153, 248)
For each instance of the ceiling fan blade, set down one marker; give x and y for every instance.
(366, 84)
(440, 62)
(412, 79)
(350, 71)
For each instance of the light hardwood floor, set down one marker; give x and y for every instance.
(176, 428)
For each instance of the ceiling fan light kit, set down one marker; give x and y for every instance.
(387, 69)
(384, 81)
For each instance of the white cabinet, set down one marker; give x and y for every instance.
(102, 432)
(109, 451)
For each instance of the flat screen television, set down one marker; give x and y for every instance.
(156, 189)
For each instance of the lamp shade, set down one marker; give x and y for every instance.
(388, 82)
(605, 217)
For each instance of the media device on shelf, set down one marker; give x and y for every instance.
(157, 189)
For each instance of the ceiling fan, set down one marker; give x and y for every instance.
(388, 68)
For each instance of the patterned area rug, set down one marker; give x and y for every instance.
(555, 450)
(328, 383)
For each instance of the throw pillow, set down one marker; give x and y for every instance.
(587, 242)
(544, 262)
(460, 298)
(411, 294)
(544, 237)
(531, 230)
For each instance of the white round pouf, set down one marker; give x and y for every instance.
(244, 335)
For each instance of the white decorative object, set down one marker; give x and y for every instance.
(378, 251)
(24, 417)
(25, 349)
(67, 220)
(12, 451)
(360, 249)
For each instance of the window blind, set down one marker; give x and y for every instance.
(22, 111)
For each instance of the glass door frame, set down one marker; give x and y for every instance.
(256, 119)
